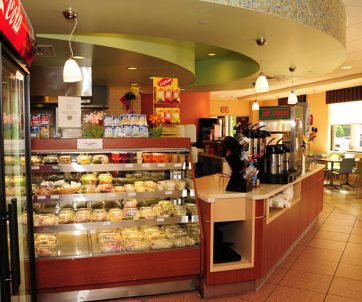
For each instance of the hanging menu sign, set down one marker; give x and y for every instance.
(274, 113)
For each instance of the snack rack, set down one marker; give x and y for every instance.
(169, 264)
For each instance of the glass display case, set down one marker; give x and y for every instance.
(119, 201)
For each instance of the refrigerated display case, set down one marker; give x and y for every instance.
(17, 280)
(113, 218)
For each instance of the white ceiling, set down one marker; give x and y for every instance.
(337, 79)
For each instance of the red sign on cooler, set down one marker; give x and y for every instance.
(165, 82)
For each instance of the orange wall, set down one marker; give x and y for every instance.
(320, 111)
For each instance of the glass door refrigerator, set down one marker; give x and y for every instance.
(17, 282)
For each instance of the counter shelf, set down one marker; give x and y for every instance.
(48, 168)
(113, 224)
(111, 196)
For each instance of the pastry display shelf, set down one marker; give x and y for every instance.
(14, 169)
(52, 168)
(113, 196)
(114, 224)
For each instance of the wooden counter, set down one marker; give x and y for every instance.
(263, 236)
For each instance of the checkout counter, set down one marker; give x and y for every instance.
(256, 236)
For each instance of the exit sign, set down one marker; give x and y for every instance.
(274, 113)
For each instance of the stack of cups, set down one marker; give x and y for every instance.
(139, 157)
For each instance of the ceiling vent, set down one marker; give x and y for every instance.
(45, 51)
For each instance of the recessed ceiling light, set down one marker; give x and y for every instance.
(211, 54)
(203, 22)
(78, 57)
(132, 68)
(222, 96)
(182, 89)
(134, 84)
(346, 67)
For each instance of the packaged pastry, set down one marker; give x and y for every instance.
(111, 246)
(168, 94)
(182, 241)
(130, 213)
(43, 250)
(99, 215)
(147, 213)
(135, 130)
(164, 208)
(108, 131)
(88, 179)
(66, 216)
(126, 130)
(133, 245)
(133, 119)
(105, 178)
(130, 203)
(116, 121)
(108, 120)
(72, 188)
(176, 95)
(82, 215)
(157, 244)
(50, 159)
(88, 189)
(175, 115)
(35, 160)
(119, 189)
(100, 159)
(130, 188)
(47, 219)
(142, 120)
(65, 159)
(124, 119)
(115, 214)
(143, 131)
(84, 159)
(167, 116)
(180, 184)
(109, 235)
(9, 160)
(180, 210)
(47, 239)
(105, 188)
(160, 94)
(18, 180)
(118, 131)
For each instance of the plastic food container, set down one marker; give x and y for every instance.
(115, 215)
(123, 157)
(99, 215)
(83, 215)
(147, 212)
(147, 157)
(130, 213)
(43, 250)
(66, 216)
(47, 219)
(105, 178)
(136, 245)
(157, 244)
(88, 179)
(111, 246)
(131, 157)
(157, 157)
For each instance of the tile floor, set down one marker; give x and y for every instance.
(325, 266)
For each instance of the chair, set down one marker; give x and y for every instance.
(358, 172)
(346, 168)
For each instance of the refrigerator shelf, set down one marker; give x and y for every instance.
(114, 224)
(109, 167)
(113, 196)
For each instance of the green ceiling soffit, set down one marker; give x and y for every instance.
(181, 53)
(225, 69)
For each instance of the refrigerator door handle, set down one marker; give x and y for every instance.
(14, 246)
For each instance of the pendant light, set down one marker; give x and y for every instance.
(255, 105)
(292, 97)
(261, 84)
(71, 71)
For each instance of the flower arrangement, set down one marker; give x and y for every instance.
(156, 121)
(128, 98)
(93, 125)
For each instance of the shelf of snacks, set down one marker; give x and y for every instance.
(129, 199)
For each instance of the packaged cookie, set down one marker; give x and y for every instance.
(124, 119)
(133, 119)
(167, 117)
(160, 95)
(135, 130)
(126, 130)
(108, 131)
(168, 94)
(142, 120)
(175, 115)
(143, 131)
(118, 131)
(176, 95)
(116, 121)
(108, 120)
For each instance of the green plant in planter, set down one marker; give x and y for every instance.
(93, 131)
(155, 132)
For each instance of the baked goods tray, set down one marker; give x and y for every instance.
(110, 196)
(111, 224)
(108, 167)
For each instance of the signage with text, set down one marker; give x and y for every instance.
(274, 113)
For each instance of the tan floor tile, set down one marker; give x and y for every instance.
(352, 254)
(332, 236)
(337, 228)
(288, 262)
(277, 275)
(344, 222)
(321, 254)
(346, 288)
(349, 271)
(358, 223)
(283, 294)
(308, 281)
(137, 299)
(355, 238)
(327, 244)
(315, 266)
(332, 298)
(260, 296)
(357, 231)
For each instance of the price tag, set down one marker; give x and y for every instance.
(128, 165)
(56, 167)
(106, 223)
(41, 197)
(90, 143)
(160, 219)
(145, 165)
(178, 165)
(132, 194)
(161, 165)
(54, 197)
(35, 167)
(168, 192)
(111, 195)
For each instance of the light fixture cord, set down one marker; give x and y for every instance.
(70, 37)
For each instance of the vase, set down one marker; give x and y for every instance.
(92, 130)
